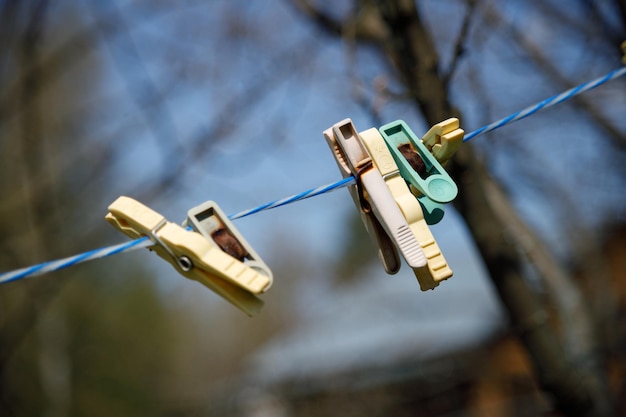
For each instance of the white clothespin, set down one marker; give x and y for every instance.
(380, 213)
(436, 269)
(213, 253)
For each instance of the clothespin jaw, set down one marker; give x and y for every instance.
(382, 217)
(194, 255)
(443, 139)
(436, 270)
(210, 221)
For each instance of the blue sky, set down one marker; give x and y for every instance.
(277, 148)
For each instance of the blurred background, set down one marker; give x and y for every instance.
(175, 103)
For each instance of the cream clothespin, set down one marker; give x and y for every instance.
(213, 253)
(443, 139)
(437, 268)
(380, 214)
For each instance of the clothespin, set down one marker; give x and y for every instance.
(430, 182)
(443, 139)
(436, 269)
(624, 52)
(210, 250)
(380, 214)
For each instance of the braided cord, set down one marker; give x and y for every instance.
(547, 103)
(145, 242)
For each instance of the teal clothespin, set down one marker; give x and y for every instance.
(420, 169)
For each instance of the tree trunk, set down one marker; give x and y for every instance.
(576, 390)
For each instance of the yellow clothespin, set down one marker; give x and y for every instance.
(624, 52)
(443, 139)
(437, 268)
(212, 253)
(380, 214)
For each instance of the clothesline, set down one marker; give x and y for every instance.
(145, 242)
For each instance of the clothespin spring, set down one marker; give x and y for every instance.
(183, 262)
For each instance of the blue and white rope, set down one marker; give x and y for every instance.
(145, 242)
(296, 197)
(51, 266)
(549, 102)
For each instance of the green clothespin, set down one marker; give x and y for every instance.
(420, 169)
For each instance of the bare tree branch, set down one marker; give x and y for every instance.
(551, 70)
(73, 49)
(411, 50)
(319, 17)
(365, 25)
(459, 45)
(141, 87)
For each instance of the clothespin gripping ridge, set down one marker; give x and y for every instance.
(436, 269)
(379, 198)
(371, 195)
(387, 252)
(194, 256)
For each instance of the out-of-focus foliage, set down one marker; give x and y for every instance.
(102, 346)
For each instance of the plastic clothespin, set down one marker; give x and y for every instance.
(212, 252)
(382, 218)
(431, 183)
(624, 52)
(443, 139)
(437, 268)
